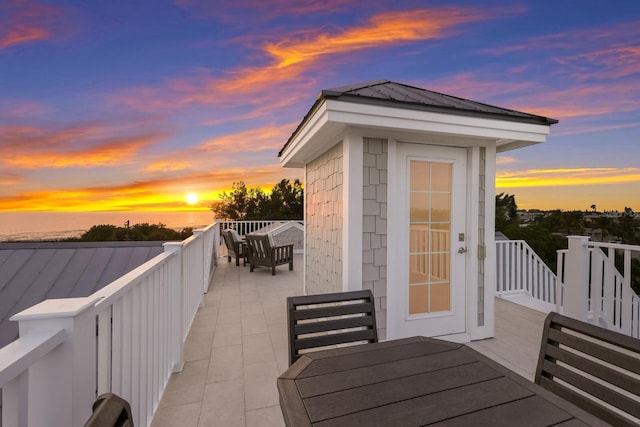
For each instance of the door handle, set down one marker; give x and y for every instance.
(462, 250)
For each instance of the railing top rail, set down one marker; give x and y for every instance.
(208, 227)
(121, 285)
(614, 246)
(17, 356)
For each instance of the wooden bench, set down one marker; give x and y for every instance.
(262, 253)
(329, 319)
(591, 367)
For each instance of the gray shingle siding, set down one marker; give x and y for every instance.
(374, 226)
(324, 222)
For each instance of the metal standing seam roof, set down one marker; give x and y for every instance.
(392, 94)
(33, 272)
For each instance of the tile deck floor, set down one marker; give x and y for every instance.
(237, 347)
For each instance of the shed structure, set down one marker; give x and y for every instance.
(399, 199)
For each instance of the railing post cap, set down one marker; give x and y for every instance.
(55, 308)
(583, 240)
(172, 246)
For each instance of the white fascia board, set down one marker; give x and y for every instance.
(429, 122)
(316, 136)
(310, 128)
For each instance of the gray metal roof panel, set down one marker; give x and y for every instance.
(388, 93)
(32, 272)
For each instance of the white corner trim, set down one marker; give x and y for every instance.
(392, 242)
(352, 146)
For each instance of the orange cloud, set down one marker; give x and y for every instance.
(583, 100)
(290, 58)
(26, 21)
(383, 29)
(84, 145)
(20, 108)
(573, 101)
(111, 152)
(614, 62)
(566, 177)
(590, 74)
(168, 165)
(505, 160)
(8, 178)
(258, 139)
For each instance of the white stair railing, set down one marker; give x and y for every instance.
(594, 289)
(519, 270)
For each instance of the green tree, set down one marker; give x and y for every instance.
(138, 232)
(538, 236)
(567, 223)
(285, 201)
(100, 233)
(240, 204)
(604, 223)
(506, 211)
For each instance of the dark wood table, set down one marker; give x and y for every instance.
(415, 382)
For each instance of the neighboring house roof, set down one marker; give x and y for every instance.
(392, 94)
(33, 272)
(285, 233)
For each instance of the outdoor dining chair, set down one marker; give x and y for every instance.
(323, 320)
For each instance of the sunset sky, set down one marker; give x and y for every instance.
(133, 105)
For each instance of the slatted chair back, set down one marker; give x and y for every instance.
(234, 249)
(329, 319)
(591, 367)
(262, 253)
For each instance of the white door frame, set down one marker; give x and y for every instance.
(397, 326)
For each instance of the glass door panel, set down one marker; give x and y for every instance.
(430, 190)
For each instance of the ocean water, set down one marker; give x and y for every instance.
(59, 225)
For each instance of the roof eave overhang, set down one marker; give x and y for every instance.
(329, 118)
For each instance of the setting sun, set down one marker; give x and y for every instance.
(192, 198)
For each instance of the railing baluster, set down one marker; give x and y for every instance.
(625, 295)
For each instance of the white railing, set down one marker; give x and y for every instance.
(521, 272)
(594, 289)
(127, 338)
(246, 227)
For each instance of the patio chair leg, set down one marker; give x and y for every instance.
(237, 262)
(251, 268)
(291, 266)
(273, 270)
(228, 259)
